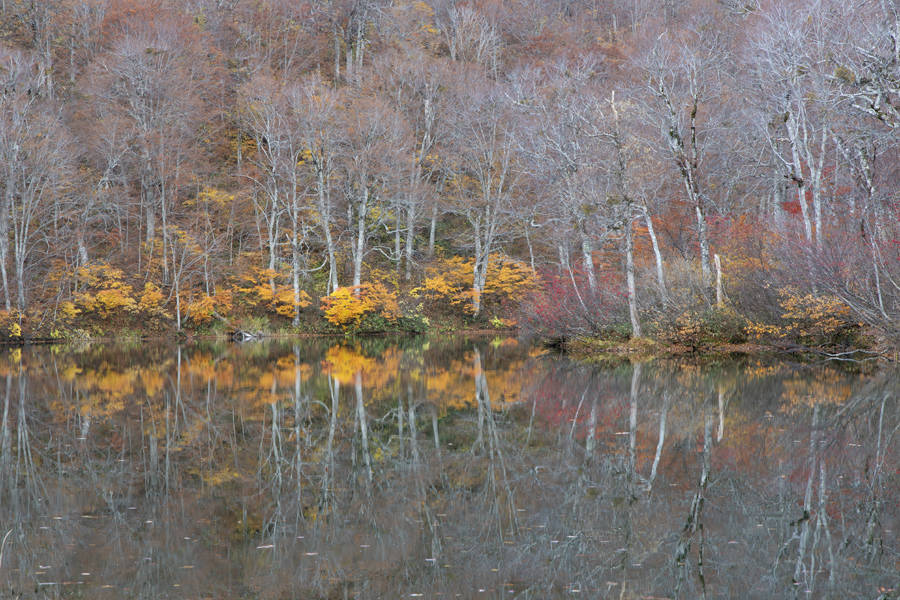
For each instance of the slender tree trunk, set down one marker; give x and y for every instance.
(793, 130)
(362, 210)
(398, 255)
(295, 260)
(629, 276)
(587, 254)
(660, 276)
(5, 212)
(410, 237)
(325, 221)
(431, 231)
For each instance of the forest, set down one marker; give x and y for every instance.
(690, 171)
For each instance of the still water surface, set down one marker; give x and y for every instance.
(440, 468)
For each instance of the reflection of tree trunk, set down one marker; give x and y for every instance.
(662, 439)
(401, 453)
(413, 443)
(807, 498)
(823, 521)
(334, 388)
(694, 524)
(363, 427)
(721, 431)
(497, 488)
(872, 520)
(5, 438)
(434, 427)
(151, 476)
(592, 432)
(298, 400)
(479, 393)
(570, 443)
(275, 453)
(25, 464)
(631, 474)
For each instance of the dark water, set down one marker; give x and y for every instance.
(440, 468)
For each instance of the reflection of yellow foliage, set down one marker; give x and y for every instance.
(829, 387)
(343, 363)
(153, 382)
(69, 372)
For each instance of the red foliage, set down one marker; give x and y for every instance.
(565, 306)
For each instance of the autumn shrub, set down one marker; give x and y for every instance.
(104, 291)
(448, 284)
(699, 325)
(564, 306)
(863, 272)
(268, 289)
(205, 309)
(809, 319)
(10, 330)
(347, 306)
(749, 268)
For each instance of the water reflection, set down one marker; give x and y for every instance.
(446, 467)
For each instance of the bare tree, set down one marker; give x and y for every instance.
(317, 113)
(481, 190)
(157, 75)
(683, 73)
(375, 160)
(419, 89)
(34, 157)
(791, 58)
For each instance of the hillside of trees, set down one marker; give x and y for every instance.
(683, 170)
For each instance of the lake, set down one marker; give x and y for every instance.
(440, 467)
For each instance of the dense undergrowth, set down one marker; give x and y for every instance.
(777, 303)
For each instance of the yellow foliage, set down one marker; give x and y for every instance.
(809, 316)
(67, 311)
(9, 321)
(151, 302)
(203, 309)
(259, 291)
(347, 306)
(104, 291)
(452, 281)
(214, 196)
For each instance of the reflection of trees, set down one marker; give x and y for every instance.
(622, 482)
